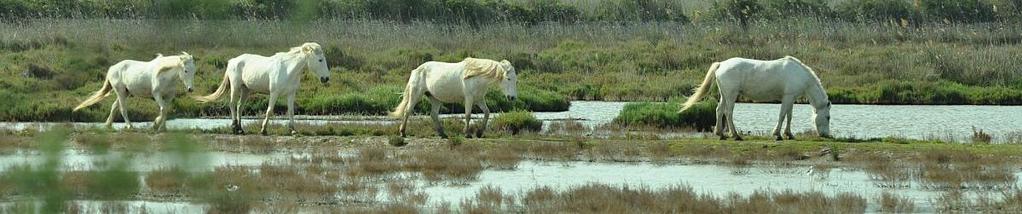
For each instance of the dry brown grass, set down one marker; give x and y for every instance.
(290, 182)
(599, 198)
(893, 203)
(567, 127)
(166, 181)
(502, 157)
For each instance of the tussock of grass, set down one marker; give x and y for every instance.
(517, 121)
(893, 203)
(701, 117)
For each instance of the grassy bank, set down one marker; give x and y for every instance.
(54, 63)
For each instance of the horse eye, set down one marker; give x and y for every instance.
(320, 60)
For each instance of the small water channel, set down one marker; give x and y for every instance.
(862, 121)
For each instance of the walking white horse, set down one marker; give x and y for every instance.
(275, 75)
(782, 80)
(466, 81)
(145, 79)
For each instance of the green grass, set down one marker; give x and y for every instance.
(517, 121)
(665, 115)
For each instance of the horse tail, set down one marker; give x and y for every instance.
(97, 96)
(219, 91)
(411, 90)
(703, 88)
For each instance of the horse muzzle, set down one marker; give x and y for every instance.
(324, 79)
(511, 98)
(190, 90)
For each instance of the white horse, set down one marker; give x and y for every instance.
(466, 82)
(154, 79)
(275, 75)
(782, 80)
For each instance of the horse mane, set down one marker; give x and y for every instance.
(483, 67)
(169, 63)
(811, 71)
(316, 48)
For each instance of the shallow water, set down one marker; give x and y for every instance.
(85, 206)
(712, 179)
(75, 160)
(862, 121)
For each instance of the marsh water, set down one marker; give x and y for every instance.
(716, 180)
(861, 121)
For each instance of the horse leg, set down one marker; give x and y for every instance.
(269, 112)
(786, 105)
(414, 100)
(787, 129)
(230, 107)
(242, 95)
(486, 118)
(110, 119)
(163, 111)
(435, 114)
(291, 113)
(730, 116)
(721, 128)
(122, 97)
(468, 117)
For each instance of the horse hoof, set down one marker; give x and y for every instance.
(263, 132)
(739, 139)
(443, 136)
(293, 132)
(723, 138)
(779, 138)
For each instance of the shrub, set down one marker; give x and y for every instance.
(788, 8)
(958, 10)
(517, 121)
(877, 10)
(397, 141)
(740, 11)
(701, 116)
(640, 10)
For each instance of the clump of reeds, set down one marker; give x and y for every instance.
(980, 137)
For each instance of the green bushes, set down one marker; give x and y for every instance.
(517, 121)
(958, 10)
(701, 116)
(877, 10)
(639, 10)
(927, 93)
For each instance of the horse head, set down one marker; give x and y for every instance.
(509, 83)
(187, 73)
(316, 60)
(821, 116)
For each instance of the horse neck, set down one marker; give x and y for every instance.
(817, 96)
(295, 64)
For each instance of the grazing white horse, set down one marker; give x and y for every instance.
(466, 82)
(154, 79)
(782, 80)
(275, 75)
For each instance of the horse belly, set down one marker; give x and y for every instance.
(449, 93)
(138, 87)
(257, 83)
